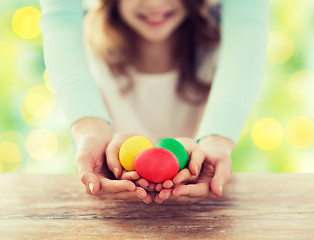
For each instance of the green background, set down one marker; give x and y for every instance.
(278, 136)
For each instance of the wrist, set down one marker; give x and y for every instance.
(90, 126)
(217, 140)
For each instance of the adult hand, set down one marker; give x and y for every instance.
(92, 136)
(113, 162)
(215, 173)
(187, 175)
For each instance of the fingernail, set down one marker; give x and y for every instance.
(115, 172)
(91, 187)
(138, 195)
(196, 170)
(220, 189)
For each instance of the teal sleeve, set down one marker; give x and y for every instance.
(240, 68)
(71, 80)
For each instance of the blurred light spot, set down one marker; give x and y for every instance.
(301, 86)
(267, 134)
(15, 138)
(295, 15)
(280, 48)
(47, 81)
(8, 55)
(12, 136)
(39, 102)
(29, 118)
(9, 152)
(1, 167)
(300, 132)
(37, 105)
(25, 22)
(42, 144)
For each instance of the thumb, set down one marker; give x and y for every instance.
(84, 167)
(223, 172)
(91, 181)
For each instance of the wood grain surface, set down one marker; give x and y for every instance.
(253, 206)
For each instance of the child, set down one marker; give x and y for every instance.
(153, 62)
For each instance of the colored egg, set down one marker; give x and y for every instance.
(129, 150)
(177, 149)
(156, 165)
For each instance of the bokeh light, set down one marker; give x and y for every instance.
(300, 132)
(37, 105)
(267, 134)
(25, 22)
(42, 144)
(9, 153)
(280, 48)
(39, 101)
(301, 86)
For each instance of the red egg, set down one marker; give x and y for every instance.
(156, 165)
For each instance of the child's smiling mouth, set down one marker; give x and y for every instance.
(155, 19)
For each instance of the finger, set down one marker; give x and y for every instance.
(157, 199)
(151, 187)
(223, 173)
(112, 157)
(87, 190)
(112, 153)
(132, 175)
(198, 190)
(182, 176)
(162, 196)
(196, 155)
(142, 182)
(143, 195)
(165, 193)
(197, 159)
(91, 181)
(158, 187)
(85, 168)
(148, 199)
(115, 186)
(168, 184)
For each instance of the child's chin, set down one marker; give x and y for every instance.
(156, 38)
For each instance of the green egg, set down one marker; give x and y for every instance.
(176, 148)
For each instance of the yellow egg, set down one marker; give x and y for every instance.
(129, 150)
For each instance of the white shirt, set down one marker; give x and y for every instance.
(151, 108)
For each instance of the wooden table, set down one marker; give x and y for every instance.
(253, 206)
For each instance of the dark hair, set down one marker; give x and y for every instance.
(199, 29)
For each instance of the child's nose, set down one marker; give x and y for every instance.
(155, 5)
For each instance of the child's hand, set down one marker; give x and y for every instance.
(113, 162)
(215, 173)
(92, 136)
(186, 175)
